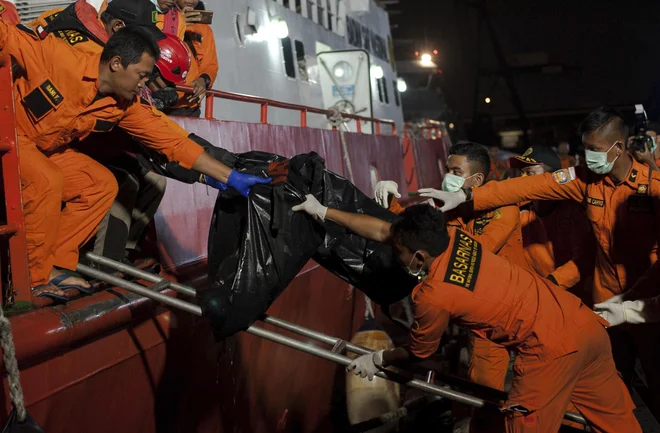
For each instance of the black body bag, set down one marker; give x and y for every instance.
(257, 246)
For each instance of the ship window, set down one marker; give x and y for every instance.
(395, 90)
(310, 14)
(301, 60)
(289, 65)
(299, 6)
(320, 12)
(386, 95)
(285, 3)
(380, 90)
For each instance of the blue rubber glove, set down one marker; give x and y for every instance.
(215, 183)
(242, 182)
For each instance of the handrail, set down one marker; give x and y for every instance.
(153, 293)
(14, 224)
(266, 103)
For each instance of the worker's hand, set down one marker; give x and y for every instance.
(622, 312)
(214, 183)
(192, 16)
(383, 189)
(243, 182)
(199, 89)
(367, 365)
(450, 200)
(312, 206)
(645, 157)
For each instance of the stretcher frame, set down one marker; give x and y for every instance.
(336, 354)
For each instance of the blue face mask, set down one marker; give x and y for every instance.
(597, 161)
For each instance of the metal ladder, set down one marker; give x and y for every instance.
(335, 354)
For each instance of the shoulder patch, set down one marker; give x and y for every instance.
(464, 262)
(633, 175)
(564, 175)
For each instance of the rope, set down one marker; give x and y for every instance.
(337, 120)
(11, 366)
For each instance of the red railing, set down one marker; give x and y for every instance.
(266, 103)
(13, 225)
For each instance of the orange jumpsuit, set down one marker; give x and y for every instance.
(173, 22)
(56, 103)
(563, 352)
(499, 232)
(626, 224)
(88, 16)
(560, 243)
(203, 61)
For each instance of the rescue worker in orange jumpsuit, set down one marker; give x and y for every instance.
(170, 19)
(66, 95)
(650, 157)
(557, 237)
(9, 13)
(563, 352)
(204, 66)
(621, 197)
(499, 231)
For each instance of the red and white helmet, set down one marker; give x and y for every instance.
(174, 61)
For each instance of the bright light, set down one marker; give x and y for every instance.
(416, 53)
(280, 29)
(487, 100)
(452, 126)
(426, 59)
(435, 52)
(401, 85)
(377, 72)
(274, 29)
(339, 72)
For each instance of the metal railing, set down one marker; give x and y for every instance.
(13, 225)
(334, 354)
(267, 103)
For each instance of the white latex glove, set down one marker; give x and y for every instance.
(367, 365)
(383, 189)
(312, 207)
(450, 200)
(635, 312)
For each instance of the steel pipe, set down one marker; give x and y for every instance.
(140, 290)
(138, 273)
(297, 344)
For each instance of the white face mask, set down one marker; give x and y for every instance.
(597, 161)
(453, 183)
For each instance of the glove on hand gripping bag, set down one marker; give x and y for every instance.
(257, 246)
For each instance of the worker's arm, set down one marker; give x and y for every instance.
(430, 323)
(25, 46)
(154, 130)
(565, 184)
(583, 247)
(362, 225)
(617, 311)
(208, 64)
(495, 233)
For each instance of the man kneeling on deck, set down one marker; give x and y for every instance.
(563, 351)
(64, 96)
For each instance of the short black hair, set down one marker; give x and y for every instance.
(476, 155)
(106, 17)
(653, 126)
(606, 120)
(421, 227)
(129, 43)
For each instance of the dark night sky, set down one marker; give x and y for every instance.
(610, 50)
